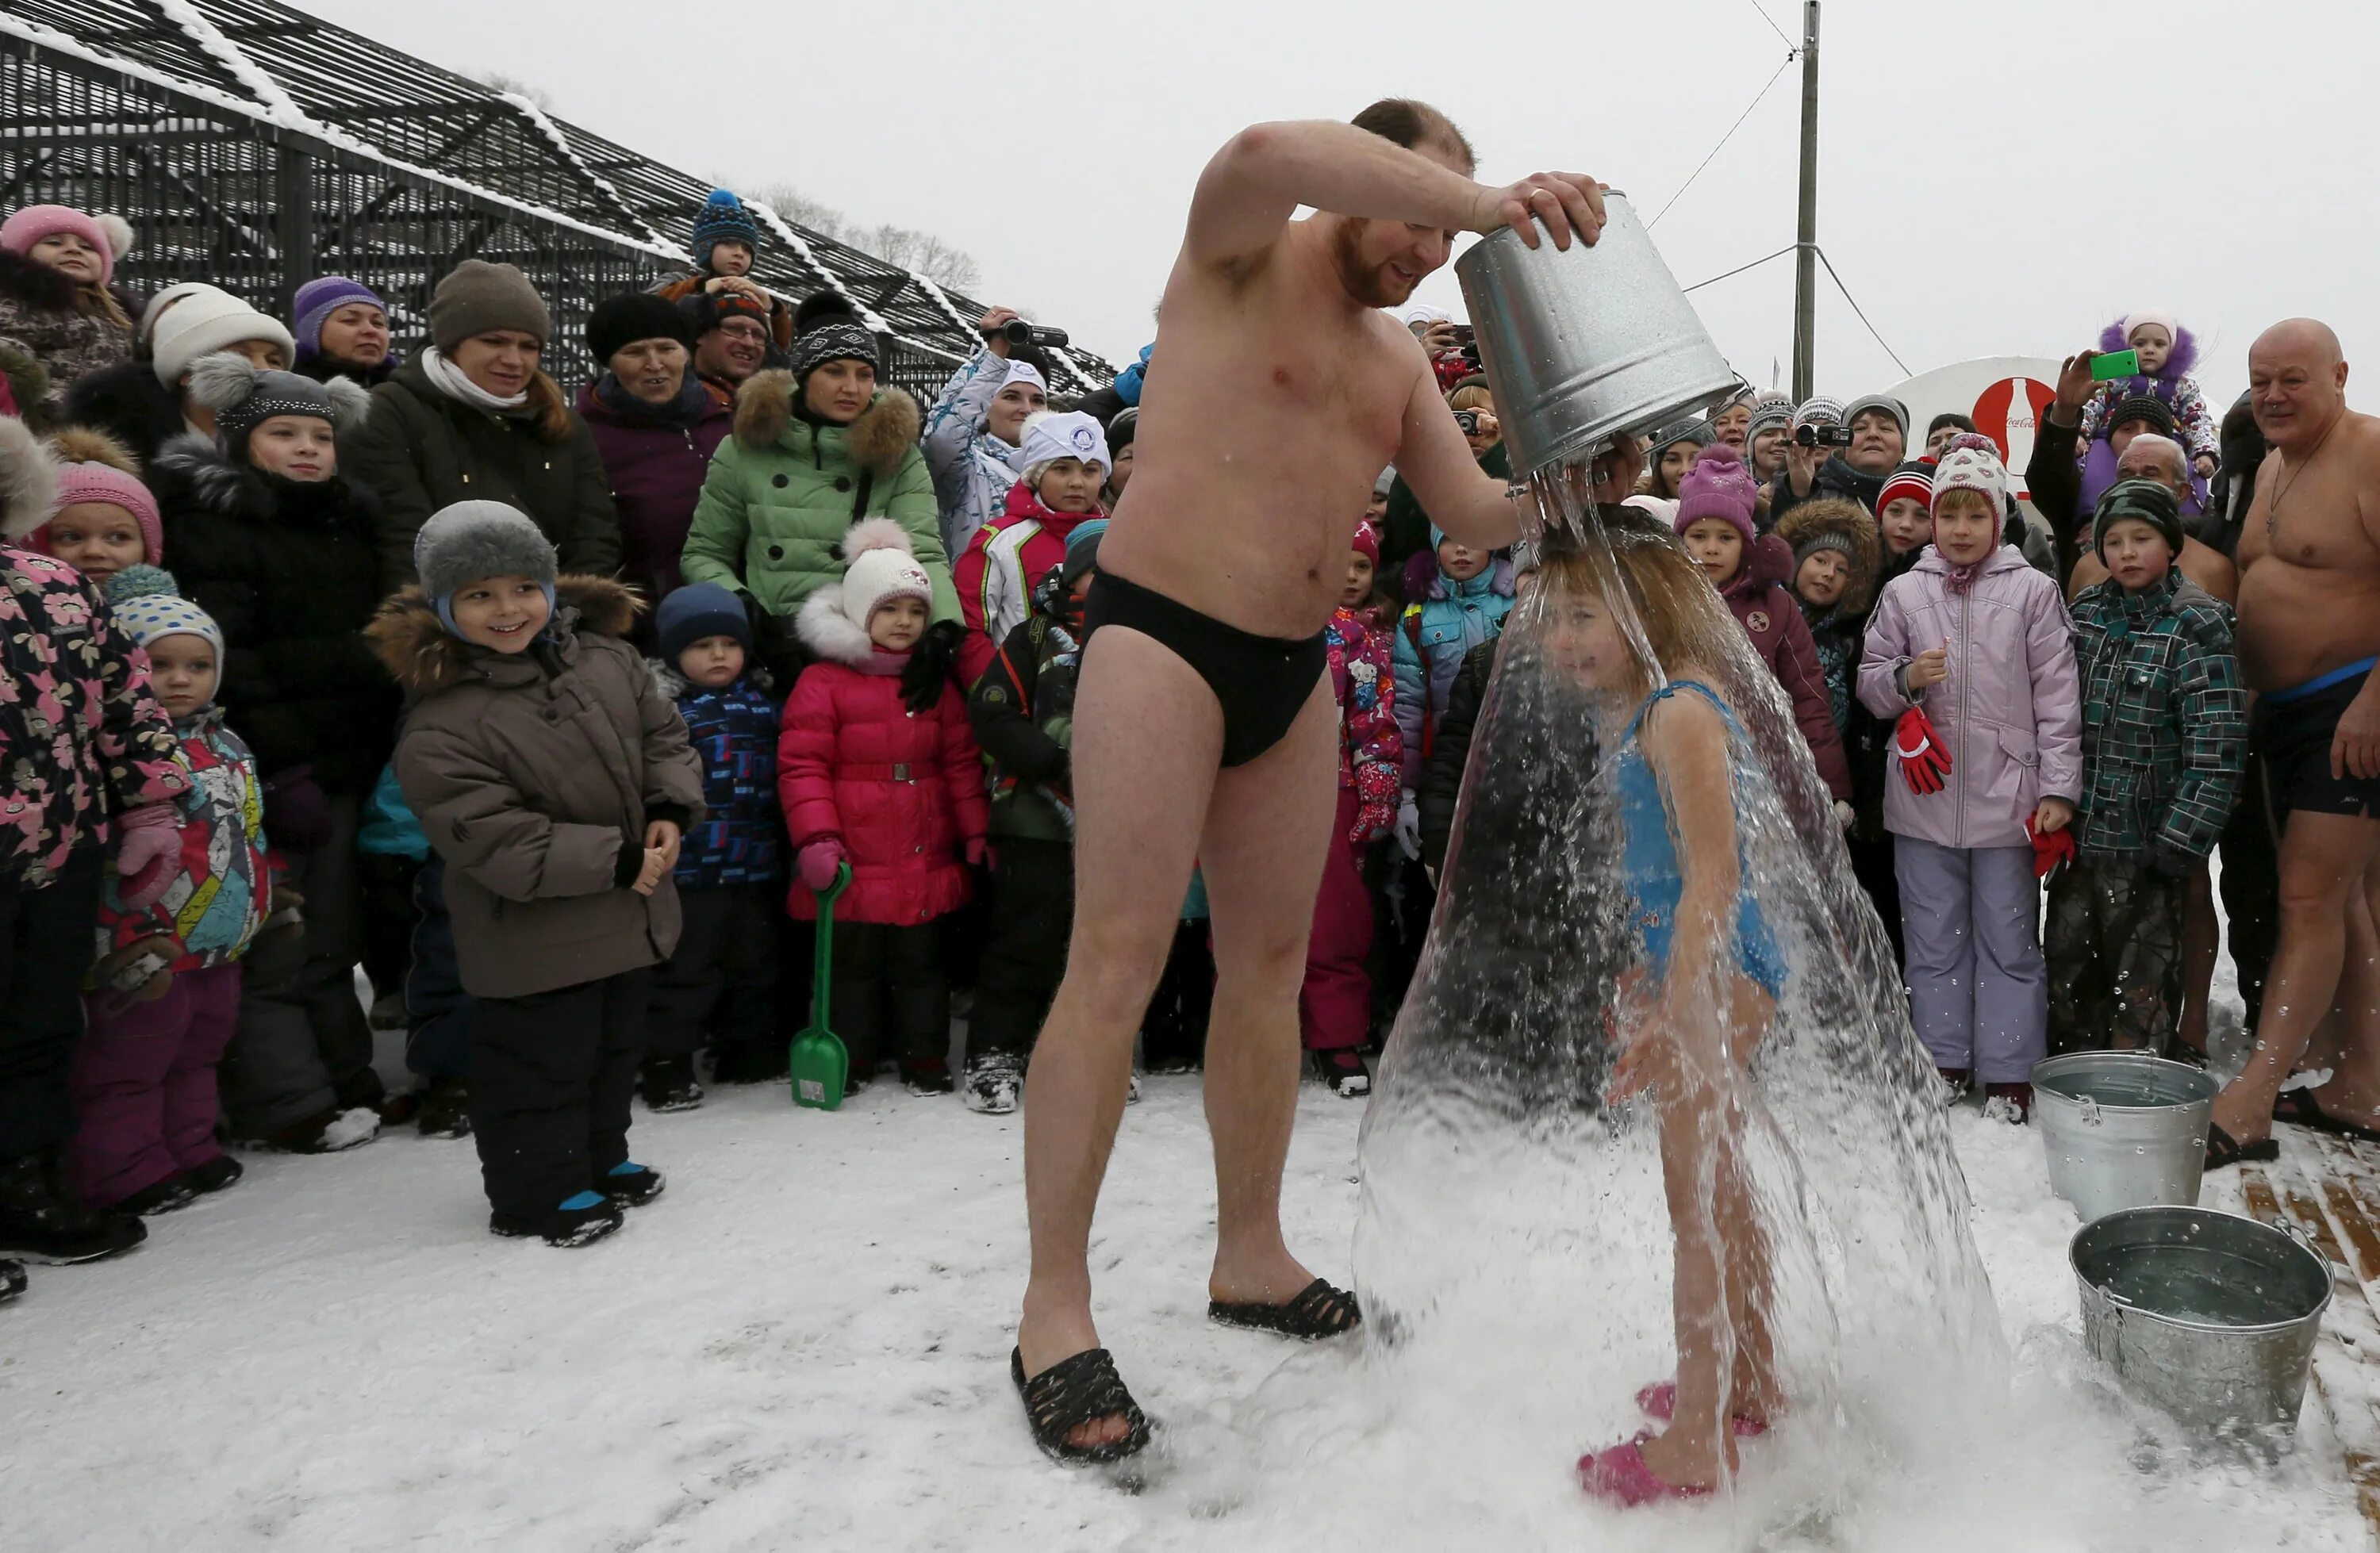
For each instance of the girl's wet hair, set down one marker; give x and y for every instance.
(1664, 587)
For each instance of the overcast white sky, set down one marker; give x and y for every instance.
(1994, 179)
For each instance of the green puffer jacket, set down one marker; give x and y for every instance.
(782, 493)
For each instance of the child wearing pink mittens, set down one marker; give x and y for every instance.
(898, 796)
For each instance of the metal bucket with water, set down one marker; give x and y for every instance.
(2207, 1316)
(2122, 1129)
(1585, 344)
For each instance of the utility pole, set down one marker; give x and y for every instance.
(1806, 237)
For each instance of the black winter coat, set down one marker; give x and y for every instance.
(127, 403)
(291, 574)
(419, 451)
(1450, 752)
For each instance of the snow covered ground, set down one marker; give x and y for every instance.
(804, 1344)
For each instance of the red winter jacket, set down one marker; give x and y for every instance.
(902, 794)
(1771, 617)
(1000, 569)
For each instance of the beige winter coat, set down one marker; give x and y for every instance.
(532, 774)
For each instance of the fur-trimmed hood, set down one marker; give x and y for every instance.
(192, 469)
(2180, 363)
(35, 284)
(1832, 515)
(423, 657)
(827, 631)
(878, 441)
(28, 480)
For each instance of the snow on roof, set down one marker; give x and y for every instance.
(277, 66)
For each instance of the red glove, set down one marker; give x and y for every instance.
(2050, 848)
(1923, 760)
(147, 844)
(819, 862)
(978, 853)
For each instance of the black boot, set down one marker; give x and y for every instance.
(667, 1084)
(445, 1110)
(12, 1279)
(749, 1062)
(581, 1220)
(216, 1175)
(158, 1196)
(40, 1223)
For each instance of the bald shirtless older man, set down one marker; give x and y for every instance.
(2309, 639)
(1205, 727)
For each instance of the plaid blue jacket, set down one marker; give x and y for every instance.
(2165, 717)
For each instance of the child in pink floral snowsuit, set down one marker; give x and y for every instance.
(87, 760)
(1335, 1006)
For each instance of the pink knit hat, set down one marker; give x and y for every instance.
(92, 467)
(30, 226)
(1718, 486)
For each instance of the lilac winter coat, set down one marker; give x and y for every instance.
(2010, 712)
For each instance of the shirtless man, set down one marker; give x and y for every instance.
(2309, 639)
(1205, 727)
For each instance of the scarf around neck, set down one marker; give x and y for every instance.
(448, 379)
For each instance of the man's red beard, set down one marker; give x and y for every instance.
(1368, 284)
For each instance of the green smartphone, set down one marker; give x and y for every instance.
(2115, 364)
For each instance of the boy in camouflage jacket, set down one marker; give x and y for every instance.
(2165, 732)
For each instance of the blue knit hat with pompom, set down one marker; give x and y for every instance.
(723, 219)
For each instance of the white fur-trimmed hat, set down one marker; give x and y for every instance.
(879, 566)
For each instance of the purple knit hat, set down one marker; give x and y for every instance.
(1718, 486)
(317, 300)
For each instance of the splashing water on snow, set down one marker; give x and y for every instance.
(1514, 1246)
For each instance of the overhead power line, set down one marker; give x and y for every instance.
(1863, 314)
(1722, 142)
(1741, 268)
(1757, 5)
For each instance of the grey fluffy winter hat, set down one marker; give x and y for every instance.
(244, 398)
(462, 543)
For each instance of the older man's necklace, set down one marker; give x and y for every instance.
(2282, 488)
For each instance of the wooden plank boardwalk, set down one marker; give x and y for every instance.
(2328, 1190)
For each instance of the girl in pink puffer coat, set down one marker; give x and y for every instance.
(1972, 650)
(897, 795)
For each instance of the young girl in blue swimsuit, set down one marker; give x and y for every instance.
(1696, 1005)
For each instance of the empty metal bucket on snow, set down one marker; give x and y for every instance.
(2208, 1316)
(1583, 345)
(2122, 1129)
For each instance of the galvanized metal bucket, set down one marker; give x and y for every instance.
(2208, 1317)
(1583, 345)
(2122, 1129)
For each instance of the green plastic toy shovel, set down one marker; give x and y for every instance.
(820, 1065)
